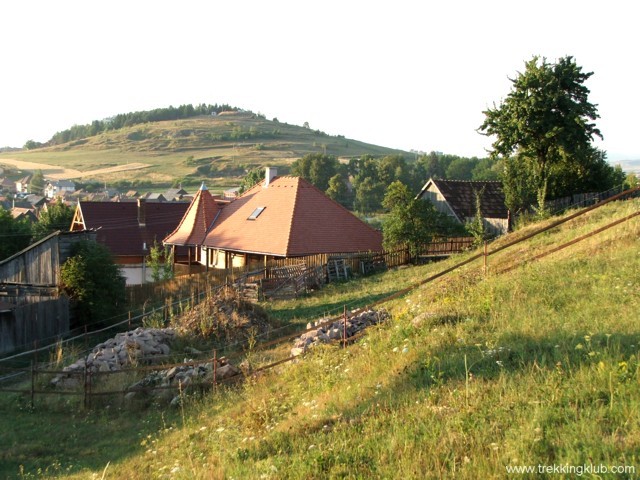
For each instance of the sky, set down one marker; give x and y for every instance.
(413, 75)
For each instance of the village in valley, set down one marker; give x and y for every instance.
(270, 301)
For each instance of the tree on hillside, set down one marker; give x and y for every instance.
(57, 216)
(338, 190)
(461, 169)
(254, 176)
(36, 186)
(394, 167)
(411, 221)
(15, 235)
(546, 118)
(317, 168)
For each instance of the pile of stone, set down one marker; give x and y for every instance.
(170, 384)
(148, 345)
(327, 332)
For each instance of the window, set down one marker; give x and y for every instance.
(256, 213)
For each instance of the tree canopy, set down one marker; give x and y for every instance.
(410, 222)
(546, 120)
(57, 216)
(15, 235)
(93, 281)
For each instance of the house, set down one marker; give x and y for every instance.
(7, 185)
(153, 197)
(457, 198)
(280, 217)
(53, 188)
(35, 201)
(19, 213)
(22, 185)
(175, 194)
(231, 193)
(129, 230)
(33, 308)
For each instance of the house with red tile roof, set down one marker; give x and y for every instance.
(129, 230)
(280, 217)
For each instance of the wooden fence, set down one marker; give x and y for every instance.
(390, 258)
(32, 322)
(182, 286)
(355, 263)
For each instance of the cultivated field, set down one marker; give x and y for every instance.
(219, 150)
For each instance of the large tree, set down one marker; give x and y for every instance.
(411, 221)
(93, 282)
(546, 119)
(14, 234)
(57, 216)
(317, 168)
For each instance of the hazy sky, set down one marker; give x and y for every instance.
(403, 74)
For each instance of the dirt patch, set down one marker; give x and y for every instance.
(60, 173)
(224, 317)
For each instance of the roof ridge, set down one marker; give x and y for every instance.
(293, 214)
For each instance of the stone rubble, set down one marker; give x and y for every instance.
(147, 345)
(335, 331)
(170, 384)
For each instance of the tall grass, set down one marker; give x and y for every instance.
(538, 366)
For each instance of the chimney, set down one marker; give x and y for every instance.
(269, 174)
(141, 212)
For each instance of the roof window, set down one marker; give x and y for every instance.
(256, 213)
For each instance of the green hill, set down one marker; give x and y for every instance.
(219, 149)
(535, 363)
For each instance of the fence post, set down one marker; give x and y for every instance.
(33, 382)
(485, 258)
(344, 327)
(215, 371)
(84, 388)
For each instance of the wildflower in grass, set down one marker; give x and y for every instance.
(500, 364)
(579, 346)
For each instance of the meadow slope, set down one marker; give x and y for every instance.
(474, 374)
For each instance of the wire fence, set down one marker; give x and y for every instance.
(37, 375)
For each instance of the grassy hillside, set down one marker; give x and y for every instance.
(219, 149)
(474, 373)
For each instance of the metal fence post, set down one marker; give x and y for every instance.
(344, 327)
(33, 382)
(485, 258)
(84, 387)
(215, 371)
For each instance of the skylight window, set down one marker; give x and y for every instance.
(256, 213)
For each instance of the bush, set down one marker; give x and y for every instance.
(93, 282)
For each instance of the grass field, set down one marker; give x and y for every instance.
(474, 374)
(217, 149)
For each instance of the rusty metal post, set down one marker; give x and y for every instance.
(84, 386)
(344, 327)
(215, 371)
(33, 382)
(485, 258)
(89, 381)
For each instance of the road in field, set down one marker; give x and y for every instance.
(60, 173)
